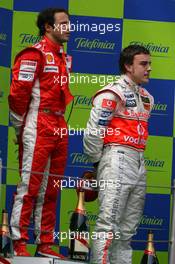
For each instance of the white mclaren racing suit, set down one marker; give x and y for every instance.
(115, 137)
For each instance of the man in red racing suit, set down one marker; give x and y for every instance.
(38, 97)
(115, 139)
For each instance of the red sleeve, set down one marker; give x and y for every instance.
(26, 69)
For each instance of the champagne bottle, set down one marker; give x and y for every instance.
(79, 232)
(6, 247)
(149, 256)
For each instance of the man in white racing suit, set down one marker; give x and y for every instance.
(115, 139)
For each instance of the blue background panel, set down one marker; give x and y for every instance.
(37, 6)
(3, 149)
(161, 121)
(10, 190)
(157, 10)
(5, 36)
(95, 46)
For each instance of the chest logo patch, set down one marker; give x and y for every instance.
(50, 58)
(50, 68)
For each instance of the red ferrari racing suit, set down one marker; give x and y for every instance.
(115, 137)
(38, 97)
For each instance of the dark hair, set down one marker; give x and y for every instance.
(47, 16)
(128, 53)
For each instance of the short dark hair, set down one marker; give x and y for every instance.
(47, 16)
(128, 53)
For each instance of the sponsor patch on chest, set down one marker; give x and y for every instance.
(129, 95)
(50, 68)
(130, 99)
(145, 99)
(131, 103)
(146, 102)
(50, 58)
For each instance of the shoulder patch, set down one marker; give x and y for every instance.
(103, 122)
(106, 113)
(28, 65)
(109, 104)
(26, 76)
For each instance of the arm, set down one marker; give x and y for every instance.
(102, 112)
(25, 72)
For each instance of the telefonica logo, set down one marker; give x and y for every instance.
(154, 163)
(81, 100)
(160, 107)
(146, 220)
(152, 47)
(79, 158)
(94, 44)
(28, 39)
(3, 36)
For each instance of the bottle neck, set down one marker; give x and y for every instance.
(80, 204)
(5, 227)
(150, 245)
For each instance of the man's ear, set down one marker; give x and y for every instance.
(48, 27)
(128, 67)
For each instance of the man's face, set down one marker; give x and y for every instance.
(60, 32)
(140, 69)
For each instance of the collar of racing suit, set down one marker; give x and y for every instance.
(127, 81)
(53, 46)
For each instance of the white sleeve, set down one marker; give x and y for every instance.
(16, 121)
(103, 109)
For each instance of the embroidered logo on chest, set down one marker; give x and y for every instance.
(130, 99)
(50, 68)
(146, 102)
(50, 58)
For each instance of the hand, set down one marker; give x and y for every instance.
(89, 175)
(90, 193)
